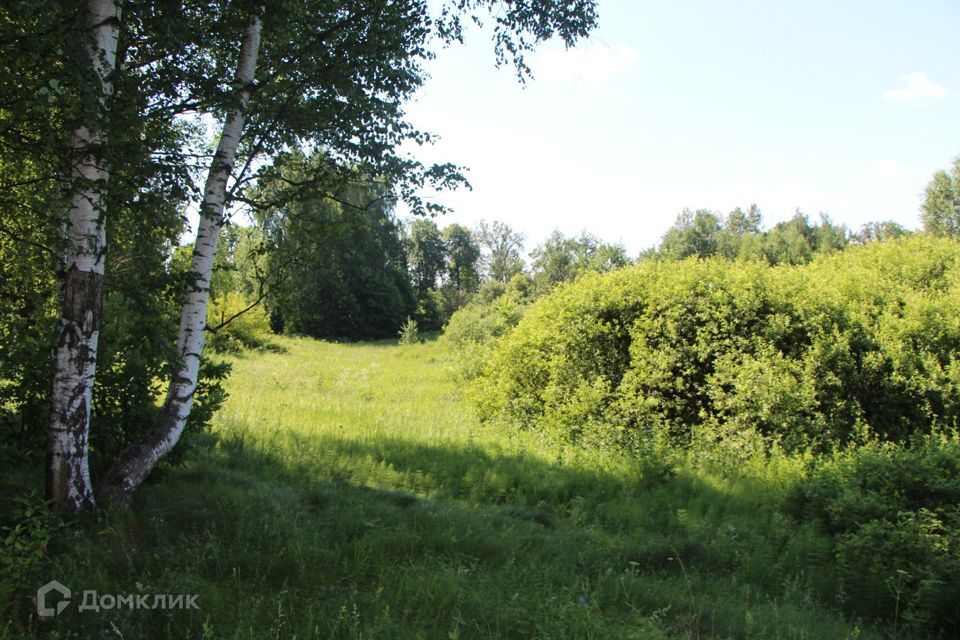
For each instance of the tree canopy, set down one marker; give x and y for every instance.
(502, 248)
(739, 235)
(941, 205)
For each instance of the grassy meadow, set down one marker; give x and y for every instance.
(348, 491)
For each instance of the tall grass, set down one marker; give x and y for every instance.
(348, 491)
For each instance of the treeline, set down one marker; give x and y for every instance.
(346, 268)
(341, 266)
(740, 235)
(337, 270)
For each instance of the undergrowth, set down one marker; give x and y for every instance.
(348, 491)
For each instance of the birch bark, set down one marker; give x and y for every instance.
(84, 241)
(140, 458)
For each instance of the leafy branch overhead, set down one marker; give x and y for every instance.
(335, 76)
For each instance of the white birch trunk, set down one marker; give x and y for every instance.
(68, 475)
(137, 461)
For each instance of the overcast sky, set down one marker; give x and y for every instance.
(838, 106)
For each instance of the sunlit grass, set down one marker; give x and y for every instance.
(348, 491)
(379, 398)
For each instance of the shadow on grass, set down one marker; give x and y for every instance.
(379, 343)
(327, 537)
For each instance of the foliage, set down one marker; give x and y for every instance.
(874, 231)
(941, 204)
(561, 259)
(738, 235)
(432, 309)
(425, 254)
(501, 250)
(895, 510)
(462, 261)
(342, 256)
(28, 290)
(434, 271)
(240, 265)
(249, 327)
(496, 309)
(237, 318)
(692, 234)
(808, 356)
(797, 241)
(426, 262)
(208, 398)
(409, 332)
(25, 533)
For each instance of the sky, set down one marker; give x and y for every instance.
(842, 107)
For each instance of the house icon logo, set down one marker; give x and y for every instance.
(48, 612)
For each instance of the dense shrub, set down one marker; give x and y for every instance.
(811, 356)
(26, 529)
(855, 357)
(895, 512)
(495, 310)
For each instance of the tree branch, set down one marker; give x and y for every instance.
(10, 234)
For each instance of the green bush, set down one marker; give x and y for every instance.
(808, 356)
(495, 310)
(431, 310)
(249, 330)
(895, 512)
(409, 332)
(852, 361)
(26, 530)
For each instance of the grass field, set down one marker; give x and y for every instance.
(348, 491)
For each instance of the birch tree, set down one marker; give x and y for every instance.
(58, 94)
(137, 461)
(84, 249)
(333, 75)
